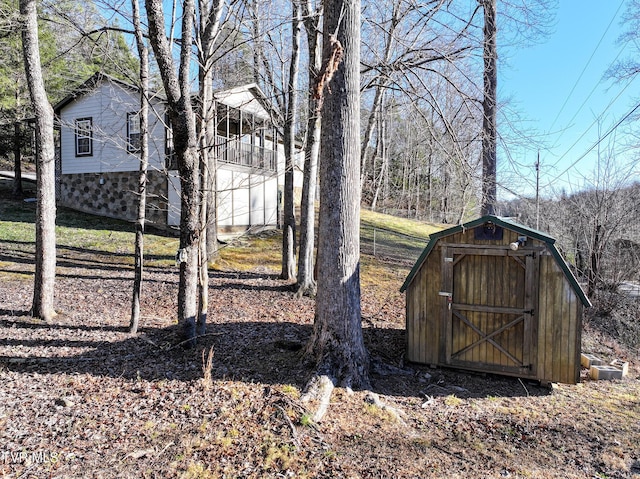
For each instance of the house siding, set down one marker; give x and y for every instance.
(107, 105)
(246, 199)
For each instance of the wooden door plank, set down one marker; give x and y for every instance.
(533, 326)
(447, 286)
(488, 309)
(484, 336)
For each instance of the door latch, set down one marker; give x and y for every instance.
(449, 297)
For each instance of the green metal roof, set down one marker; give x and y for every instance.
(508, 224)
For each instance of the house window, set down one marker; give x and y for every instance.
(170, 161)
(84, 137)
(133, 132)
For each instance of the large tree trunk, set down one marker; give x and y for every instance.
(45, 267)
(305, 277)
(289, 214)
(337, 343)
(489, 129)
(142, 176)
(189, 239)
(185, 141)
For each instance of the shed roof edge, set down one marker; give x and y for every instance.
(508, 223)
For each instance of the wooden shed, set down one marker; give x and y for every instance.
(495, 296)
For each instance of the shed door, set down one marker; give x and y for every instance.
(489, 296)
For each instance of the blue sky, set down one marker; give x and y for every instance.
(558, 90)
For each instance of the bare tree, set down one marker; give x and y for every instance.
(289, 214)
(305, 276)
(381, 152)
(599, 217)
(629, 68)
(381, 80)
(420, 61)
(209, 23)
(143, 149)
(13, 89)
(276, 67)
(596, 226)
(415, 69)
(45, 268)
(178, 90)
(337, 343)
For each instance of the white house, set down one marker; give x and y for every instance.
(98, 164)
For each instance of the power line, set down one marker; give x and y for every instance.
(586, 66)
(596, 120)
(595, 87)
(611, 130)
(538, 164)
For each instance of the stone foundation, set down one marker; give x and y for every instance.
(114, 195)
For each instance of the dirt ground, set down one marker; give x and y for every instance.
(80, 397)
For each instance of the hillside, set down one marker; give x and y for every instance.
(79, 397)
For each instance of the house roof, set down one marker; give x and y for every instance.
(508, 224)
(231, 97)
(89, 85)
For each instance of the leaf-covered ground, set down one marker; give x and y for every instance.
(80, 397)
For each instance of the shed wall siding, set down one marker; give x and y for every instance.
(424, 312)
(559, 323)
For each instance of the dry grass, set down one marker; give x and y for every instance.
(264, 249)
(404, 226)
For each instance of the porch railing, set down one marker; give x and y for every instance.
(230, 150)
